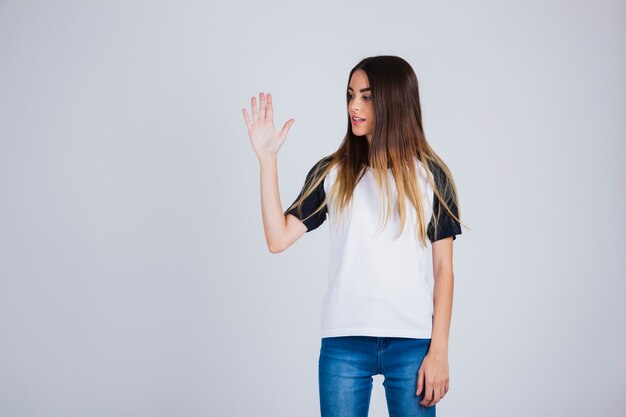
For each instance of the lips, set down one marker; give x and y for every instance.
(357, 120)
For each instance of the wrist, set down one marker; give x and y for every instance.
(438, 347)
(268, 159)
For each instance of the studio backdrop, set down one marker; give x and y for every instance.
(135, 279)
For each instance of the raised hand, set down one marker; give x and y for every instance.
(265, 139)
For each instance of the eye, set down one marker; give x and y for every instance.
(350, 96)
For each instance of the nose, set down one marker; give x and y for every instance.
(354, 105)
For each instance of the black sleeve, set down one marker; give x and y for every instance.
(447, 225)
(312, 202)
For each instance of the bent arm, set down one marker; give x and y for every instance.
(280, 230)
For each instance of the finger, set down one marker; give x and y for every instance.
(429, 399)
(255, 112)
(262, 106)
(269, 110)
(247, 118)
(420, 383)
(437, 395)
(285, 129)
(428, 393)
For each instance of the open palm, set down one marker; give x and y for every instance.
(265, 139)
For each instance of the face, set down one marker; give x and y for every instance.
(360, 105)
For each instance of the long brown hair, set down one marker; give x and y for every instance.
(398, 140)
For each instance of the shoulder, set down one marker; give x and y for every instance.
(446, 225)
(323, 163)
(442, 178)
(319, 166)
(437, 171)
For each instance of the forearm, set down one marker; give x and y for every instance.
(271, 207)
(442, 299)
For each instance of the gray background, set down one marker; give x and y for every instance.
(135, 278)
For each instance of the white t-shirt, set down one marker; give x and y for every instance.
(377, 285)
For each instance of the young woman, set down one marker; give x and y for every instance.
(388, 305)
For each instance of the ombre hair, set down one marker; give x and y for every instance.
(397, 142)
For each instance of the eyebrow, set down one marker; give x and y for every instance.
(361, 90)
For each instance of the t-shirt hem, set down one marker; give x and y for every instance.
(378, 332)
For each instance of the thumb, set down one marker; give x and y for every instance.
(420, 383)
(285, 129)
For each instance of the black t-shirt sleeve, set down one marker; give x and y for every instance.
(447, 225)
(312, 202)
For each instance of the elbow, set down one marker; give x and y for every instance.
(279, 242)
(276, 247)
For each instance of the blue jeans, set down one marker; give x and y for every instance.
(347, 364)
